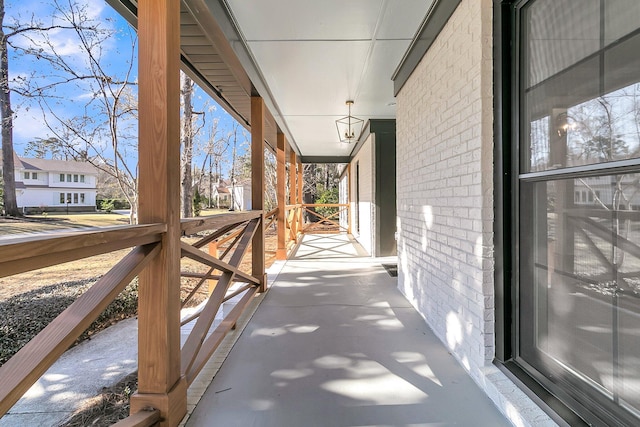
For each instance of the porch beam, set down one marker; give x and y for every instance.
(160, 385)
(325, 159)
(281, 176)
(258, 188)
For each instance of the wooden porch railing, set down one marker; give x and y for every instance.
(239, 230)
(31, 253)
(327, 223)
(146, 418)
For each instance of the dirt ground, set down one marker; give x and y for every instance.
(94, 266)
(28, 301)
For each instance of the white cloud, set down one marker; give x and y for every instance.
(28, 126)
(63, 41)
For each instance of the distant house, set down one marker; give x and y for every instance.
(241, 196)
(221, 195)
(55, 185)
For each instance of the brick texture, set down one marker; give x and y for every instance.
(445, 199)
(445, 195)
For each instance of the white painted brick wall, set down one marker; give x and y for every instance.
(445, 199)
(445, 188)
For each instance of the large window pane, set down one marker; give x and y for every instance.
(584, 276)
(560, 33)
(579, 240)
(621, 18)
(583, 79)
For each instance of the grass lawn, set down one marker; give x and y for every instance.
(60, 221)
(32, 224)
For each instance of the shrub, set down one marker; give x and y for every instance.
(106, 205)
(197, 202)
(328, 196)
(24, 315)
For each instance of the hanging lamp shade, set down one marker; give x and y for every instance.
(349, 127)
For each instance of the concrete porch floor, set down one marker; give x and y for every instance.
(334, 343)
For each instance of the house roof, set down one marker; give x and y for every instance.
(50, 165)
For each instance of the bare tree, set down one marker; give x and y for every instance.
(215, 149)
(8, 171)
(104, 131)
(320, 185)
(233, 140)
(8, 32)
(42, 148)
(601, 133)
(108, 187)
(271, 180)
(240, 163)
(187, 135)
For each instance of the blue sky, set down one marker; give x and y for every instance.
(74, 100)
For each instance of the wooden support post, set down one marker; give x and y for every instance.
(300, 201)
(281, 172)
(257, 187)
(160, 385)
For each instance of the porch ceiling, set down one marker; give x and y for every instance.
(315, 55)
(306, 58)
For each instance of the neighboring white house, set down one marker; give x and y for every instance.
(55, 185)
(241, 196)
(221, 195)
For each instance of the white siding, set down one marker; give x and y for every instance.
(445, 199)
(343, 198)
(44, 191)
(90, 181)
(365, 232)
(50, 197)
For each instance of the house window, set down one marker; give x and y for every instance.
(34, 175)
(75, 198)
(26, 175)
(68, 177)
(81, 178)
(62, 200)
(578, 271)
(82, 198)
(75, 178)
(61, 177)
(68, 197)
